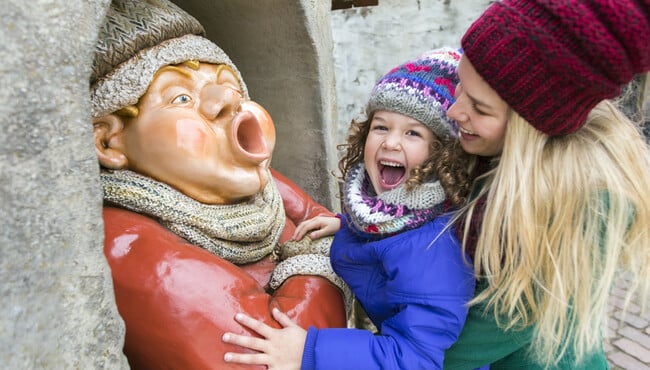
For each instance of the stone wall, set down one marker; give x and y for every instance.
(58, 310)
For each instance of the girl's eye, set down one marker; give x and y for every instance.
(413, 133)
(182, 99)
(379, 128)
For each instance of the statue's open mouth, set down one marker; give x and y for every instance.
(248, 133)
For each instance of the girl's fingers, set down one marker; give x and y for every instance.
(253, 343)
(255, 325)
(282, 318)
(298, 234)
(245, 358)
(302, 229)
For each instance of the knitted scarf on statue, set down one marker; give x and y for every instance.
(392, 211)
(239, 233)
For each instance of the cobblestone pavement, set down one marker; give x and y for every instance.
(627, 337)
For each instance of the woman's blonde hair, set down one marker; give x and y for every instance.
(562, 215)
(448, 162)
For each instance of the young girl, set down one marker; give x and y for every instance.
(566, 196)
(403, 169)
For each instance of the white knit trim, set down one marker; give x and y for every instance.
(311, 264)
(125, 84)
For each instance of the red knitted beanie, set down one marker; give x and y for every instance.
(552, 61)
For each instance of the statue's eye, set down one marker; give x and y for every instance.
(182, 99)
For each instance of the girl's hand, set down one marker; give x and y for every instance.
(317, 227)
(279, 349)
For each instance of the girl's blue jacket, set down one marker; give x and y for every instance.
(414, 287)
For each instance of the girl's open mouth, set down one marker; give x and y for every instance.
(391, 174)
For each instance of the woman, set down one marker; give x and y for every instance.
(563, 201)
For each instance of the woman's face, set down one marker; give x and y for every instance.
(480, 112)
(395, 145)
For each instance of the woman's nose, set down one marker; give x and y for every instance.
(455, 112)
(219, 101)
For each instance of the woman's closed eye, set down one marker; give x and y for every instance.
(476, 109)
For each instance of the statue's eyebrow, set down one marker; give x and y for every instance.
(225, 67)
(176, 69)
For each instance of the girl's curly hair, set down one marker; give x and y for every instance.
(448, 162)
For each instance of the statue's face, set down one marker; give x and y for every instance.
(196, 133)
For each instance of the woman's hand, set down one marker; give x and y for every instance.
(279, 349)
(317, 227)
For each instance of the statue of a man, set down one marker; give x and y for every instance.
(197, 225)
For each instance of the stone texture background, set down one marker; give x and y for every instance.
(58, 310)
(627, 335)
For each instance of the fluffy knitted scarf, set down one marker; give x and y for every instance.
(239, 233)
(392, 211)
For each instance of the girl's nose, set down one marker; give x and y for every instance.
(219, 102)
(392, 142)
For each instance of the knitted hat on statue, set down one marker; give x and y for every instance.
(138, 38)
(422, 89)
(552, 61)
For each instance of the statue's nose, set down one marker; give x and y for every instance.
(219, 102)
(253, 133)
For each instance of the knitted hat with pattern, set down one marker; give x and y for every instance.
(422, 89)
(552, 61)
(135, 41)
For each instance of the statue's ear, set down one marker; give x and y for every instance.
(109, 143)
